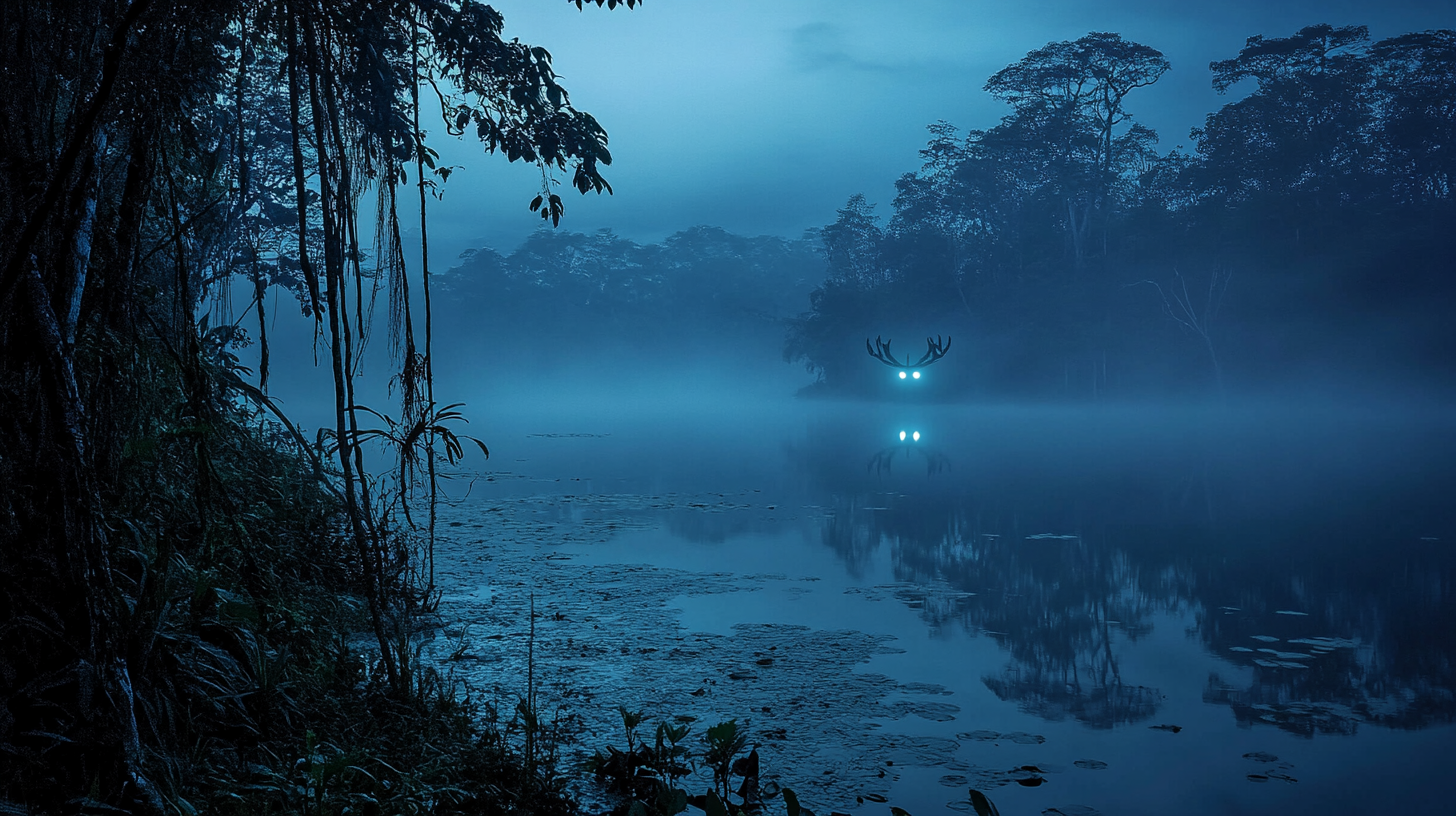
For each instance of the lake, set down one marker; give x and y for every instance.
(1110, 609)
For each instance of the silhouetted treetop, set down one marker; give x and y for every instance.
(1312, 51)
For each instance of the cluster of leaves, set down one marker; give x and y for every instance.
(646, 776)
(1333, 173)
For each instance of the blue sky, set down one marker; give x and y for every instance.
(764, 116)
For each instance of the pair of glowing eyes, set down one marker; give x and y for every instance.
(914, 436)
(915, 374)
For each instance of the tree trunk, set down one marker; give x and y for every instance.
(80, 550)
(81, 240)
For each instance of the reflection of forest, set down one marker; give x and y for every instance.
(1377, 633)
(1340, 611)
(1056, 603)
(883, 463)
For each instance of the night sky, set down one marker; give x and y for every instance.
(764, 116)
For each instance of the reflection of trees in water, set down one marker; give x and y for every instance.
(1058, 697)
(1155, 542)
(845, 533)
(909, 455)
(1376, 636)
(1058, 605)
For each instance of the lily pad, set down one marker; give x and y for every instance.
(1327, 643)
(979, 736)
(1029, 776)
(935, 712)
(1275, 768)
(1091, 764)
(1286, 655)
(1281, 776)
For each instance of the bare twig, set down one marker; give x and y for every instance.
(1196, 318)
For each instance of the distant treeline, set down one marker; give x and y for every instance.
(698, 289)
(1309, 233)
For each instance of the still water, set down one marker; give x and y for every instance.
(1163, 610)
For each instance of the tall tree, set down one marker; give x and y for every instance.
(1068, 101)
(852, 245)
(1303, 131)
(1415, 84)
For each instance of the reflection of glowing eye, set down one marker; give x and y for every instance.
(916, 437)
(916, 375)
(902, 436)
(902, 375)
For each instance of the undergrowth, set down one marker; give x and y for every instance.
(654, 777)
(203, 610)
(257, 687)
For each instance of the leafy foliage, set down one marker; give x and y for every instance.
(646, 778)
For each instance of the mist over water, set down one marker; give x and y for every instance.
(1042, 583)
(1271, 577)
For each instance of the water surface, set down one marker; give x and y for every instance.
(1191, 610)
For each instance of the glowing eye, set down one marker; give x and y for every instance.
(902, 436)
(902, 375)
(916, 375)
(916, 436)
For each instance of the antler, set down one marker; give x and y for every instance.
(881, 351)
(935, 352)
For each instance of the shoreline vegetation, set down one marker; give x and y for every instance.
(184, 575)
